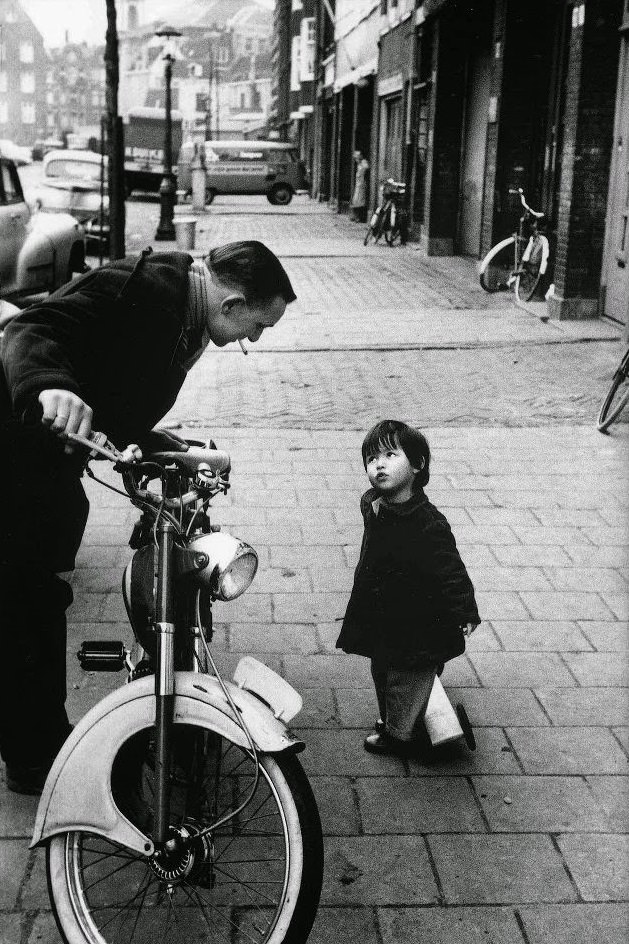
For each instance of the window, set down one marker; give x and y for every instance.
(27, 53)
(296, 6)
(76, 170)
(27, 82)
(4, 113)
(3, 81)
(201, 104)
(28, 113)
(133, 17)
(95, 99)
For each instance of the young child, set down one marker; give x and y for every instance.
(412, 602)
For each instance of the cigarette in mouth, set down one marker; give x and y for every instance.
(242, 347)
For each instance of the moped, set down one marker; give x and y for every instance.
(177, 810)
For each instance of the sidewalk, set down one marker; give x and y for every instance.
(525, 840)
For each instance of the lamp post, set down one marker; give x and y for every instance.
(167, 190)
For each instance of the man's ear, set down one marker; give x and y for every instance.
(231, 303)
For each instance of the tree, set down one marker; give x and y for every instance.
(115, 139)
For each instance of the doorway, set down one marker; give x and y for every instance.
(474, 147)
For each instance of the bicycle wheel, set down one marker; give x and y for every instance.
(532, 267)
(617, 396)
(497, 266)
(256, 879)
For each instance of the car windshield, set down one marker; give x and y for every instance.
(77, 170)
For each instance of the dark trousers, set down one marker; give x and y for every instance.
(33, 719)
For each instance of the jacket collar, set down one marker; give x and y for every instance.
(380, 506)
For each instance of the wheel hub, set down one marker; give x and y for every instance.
(189, 855)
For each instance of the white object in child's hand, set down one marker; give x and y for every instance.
(469, 629)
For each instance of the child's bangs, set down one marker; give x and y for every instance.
(379, 441)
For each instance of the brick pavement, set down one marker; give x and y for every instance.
(522, 842)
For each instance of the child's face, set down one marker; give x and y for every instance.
(390, 473)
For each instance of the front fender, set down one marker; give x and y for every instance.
(77, 794)
(45, 255)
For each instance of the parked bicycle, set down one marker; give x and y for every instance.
(390, 218)
(617, 396)
(520, 260)
(177, 810)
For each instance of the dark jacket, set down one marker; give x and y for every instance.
(412, 594)
(112, 337)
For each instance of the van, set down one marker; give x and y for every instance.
(272, 168)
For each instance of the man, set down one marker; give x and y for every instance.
(109, 351)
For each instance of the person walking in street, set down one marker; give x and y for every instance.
(359, 196)
(109, 351)
(412, 603)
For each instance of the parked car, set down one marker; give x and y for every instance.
(72, 184)
(19, 155)
(272, 168)
(38, 252)
(41, 147)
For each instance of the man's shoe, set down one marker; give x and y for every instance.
(27, 780)
(385, 744)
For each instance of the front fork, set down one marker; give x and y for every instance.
(164, 678)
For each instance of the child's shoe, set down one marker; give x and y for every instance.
(383, 743)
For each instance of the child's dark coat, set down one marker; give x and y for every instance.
(412, 594)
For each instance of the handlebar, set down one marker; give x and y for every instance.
(189, 460)
(520, 192)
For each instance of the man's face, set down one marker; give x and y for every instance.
(238, 320)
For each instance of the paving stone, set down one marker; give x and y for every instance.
(500, 706)
(510, 578)
(598, 864)
(499, 869)
(622, 735)
(328, 670)
(592, 556)
(273, 637)
(618, 603)
(520, 669)
(607, 536)
(88, 607)
(540, 804)
(338, 805)
(599, 668)
(444, 804)
(565, 606)
(569, 750)
(44, 930)
(345, 924)
(483, 639)
(606, 636)
(595, 578)
(11, 928)
(281, 580)
(311, 608)
(378, 870)
(358, 707)
(459, 672)
(580, 706)
(576, 517)
(248, 608)
(307, 556)
(319, 709)
(90, 556)
(484, 534)
(34, 895)
(551, 535)
(327, 634)
(342, 753)
(13, 859)
(504, 516)
(500, 605)
(17, 812)
(576, 924)
(493, 755)
(540, 635)
(449, 926)
(530, 555)
(611, 794)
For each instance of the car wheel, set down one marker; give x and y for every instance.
(76, 263)
(281, 195)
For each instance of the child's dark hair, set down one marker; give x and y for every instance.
(250, 267)
(392, 433)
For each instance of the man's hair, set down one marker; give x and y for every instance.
(250, 267)
(391, 434)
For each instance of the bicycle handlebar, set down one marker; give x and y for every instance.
(188, 460)
(528, 209)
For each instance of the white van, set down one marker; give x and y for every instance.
(272, 168)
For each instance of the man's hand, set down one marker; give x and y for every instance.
(64, 412)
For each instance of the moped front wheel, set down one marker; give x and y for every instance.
(254, 880)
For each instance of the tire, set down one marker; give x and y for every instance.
(393, 236)
(374, 231)
(234, 889)
(281, 195)
(617, 397)
(210, 193)
(497, 266)
(531, 268)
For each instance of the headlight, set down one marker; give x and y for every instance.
(232, 564)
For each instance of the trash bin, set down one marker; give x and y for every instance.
(184, 231)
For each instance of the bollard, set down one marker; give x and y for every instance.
(198, 175)
(185, 231)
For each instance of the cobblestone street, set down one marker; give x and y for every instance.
(525, 840)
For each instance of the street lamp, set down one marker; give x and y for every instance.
(167, 189)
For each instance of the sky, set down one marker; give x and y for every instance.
(84, 20)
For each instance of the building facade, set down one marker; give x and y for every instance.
(467, 101)
(75, 90)
(22, 76)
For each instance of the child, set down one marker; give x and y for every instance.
(412, 602)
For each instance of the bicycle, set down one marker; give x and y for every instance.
(617, 396)
(177, 809)
(520, 260)
(390, 218)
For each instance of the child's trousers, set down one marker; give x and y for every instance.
(402, 698)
